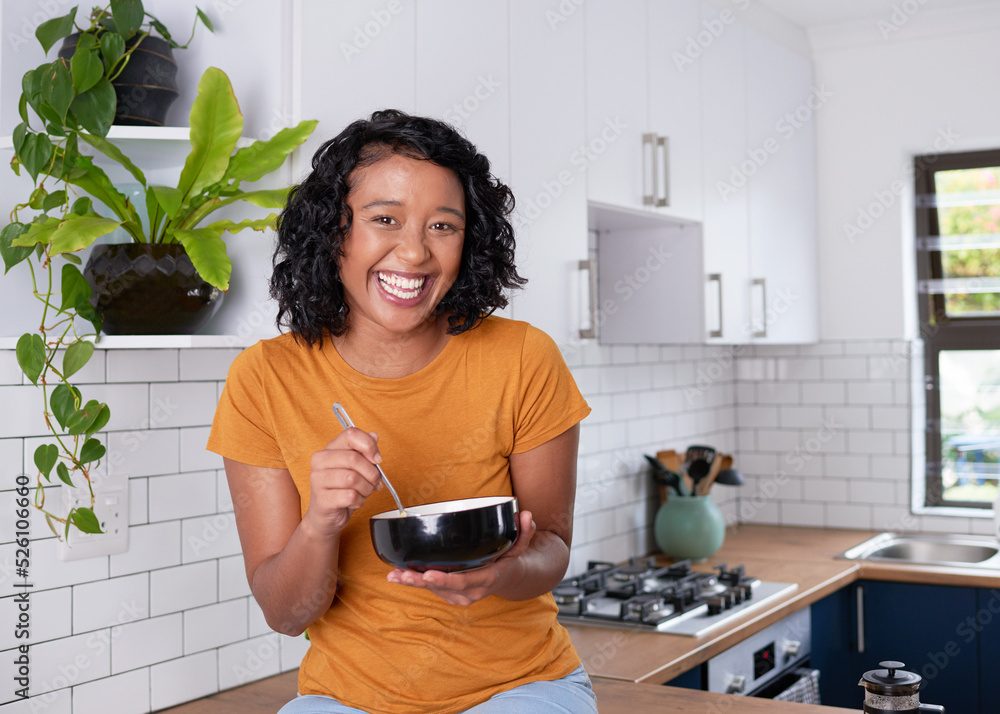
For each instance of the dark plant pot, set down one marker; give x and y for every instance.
(142, 289)
(146, 87)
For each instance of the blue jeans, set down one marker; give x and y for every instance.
(570, 695)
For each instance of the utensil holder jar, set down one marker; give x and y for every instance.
(689, 527)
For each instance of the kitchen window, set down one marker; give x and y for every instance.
(958, 270)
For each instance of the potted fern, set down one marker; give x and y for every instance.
(73, 203)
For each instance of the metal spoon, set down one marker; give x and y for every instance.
(345, 421)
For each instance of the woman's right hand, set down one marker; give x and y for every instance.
(343, 477)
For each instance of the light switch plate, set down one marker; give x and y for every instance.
(111, 508)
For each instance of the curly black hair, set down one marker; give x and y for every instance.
(316, 220)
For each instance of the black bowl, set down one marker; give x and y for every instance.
(449, 536)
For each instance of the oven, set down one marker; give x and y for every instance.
(771, 664)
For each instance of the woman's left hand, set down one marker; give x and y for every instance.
(473, 585)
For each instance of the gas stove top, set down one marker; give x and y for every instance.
(674, 599)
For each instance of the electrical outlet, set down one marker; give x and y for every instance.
(110, 507)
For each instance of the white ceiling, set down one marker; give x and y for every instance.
(812, 13)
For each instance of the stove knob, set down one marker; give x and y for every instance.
(791, 648)
(715, 605)
(736, 685)
(737, 595)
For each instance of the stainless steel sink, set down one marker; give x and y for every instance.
(965, 551)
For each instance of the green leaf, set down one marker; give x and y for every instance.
(95, 182)
(17, 138)
(81, 420)
(51, 31)
(85, 520)
(113, 152)
(63, 473)
(78, 232)
(75, 288)
(216, 125)
(112, 48)
(12, 255)
(38, 233)
(168, 198)
(57, 88)
(207, 252)
(46, 456)
(103, 417)
(95, 108)
(164, 32)
(54, 200)
(30, 351)
(37, 198)
(256, 224)
(86, 68)
(92, 450)
(36, 150)
(128, 16)
(265, 198)
(204, 19)
(81, 206)
(262, 157)
(73, 258)
(64, 401)
(77, 355)
(50, 522)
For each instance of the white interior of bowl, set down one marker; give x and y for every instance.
(464, 504)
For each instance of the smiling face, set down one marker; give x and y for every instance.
(404, 249)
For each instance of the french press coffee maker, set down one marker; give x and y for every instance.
(893, 689)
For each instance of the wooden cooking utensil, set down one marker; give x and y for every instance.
(706, 483)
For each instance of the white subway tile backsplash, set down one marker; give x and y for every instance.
(849, 417)
(870, 392)
(144, 452)
(806, 417)
(142, 365)
(48, 571)
(146, 642)
(783, 393)
(825, 489)
(128, 691)
(184, 403)
(209, 537)
(870, 442)
(623, 354)
(825, 393)
(183, 679)
(232, 578)
(194, 455)
(206, 364)
(588, 379)
(157, 545)
(293, 649)
(10, 370)
(57, 622)
(215, 625)
(57, 702)
(799, 369)
(138, 502)
(803, 514)
(842, 515)
(108, 603)
(183, 587)
(22, 411)
(752, 416)
(129, 404)
(845, 368)
(182, 495)
(249, 661)
(851, 466)
(68, 661)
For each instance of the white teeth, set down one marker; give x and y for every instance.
(404, 288)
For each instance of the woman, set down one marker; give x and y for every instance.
(391, 256)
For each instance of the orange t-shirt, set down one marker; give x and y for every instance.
(446, 432)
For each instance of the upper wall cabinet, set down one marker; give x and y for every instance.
(643, 147)
(546, 130)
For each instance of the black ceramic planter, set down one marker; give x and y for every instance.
(142, 289)
(146, 87)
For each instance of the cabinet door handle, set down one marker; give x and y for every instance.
(649, 169)
(662, 168)
(860, 595)
(590, 266)
(717, 279)
(762, 284)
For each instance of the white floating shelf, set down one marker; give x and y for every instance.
(162, 342)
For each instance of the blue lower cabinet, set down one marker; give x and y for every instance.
(692, 679)
(939, 632)
(987, 622)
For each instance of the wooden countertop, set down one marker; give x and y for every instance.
(625, 698)
(805, 556)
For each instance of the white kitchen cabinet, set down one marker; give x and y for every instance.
(781, 113)
(760, 190)
(359, 59)
(547, 127)
(461, 72)
(675, 110)
(616, 102)
(726, 234)
(650, 277)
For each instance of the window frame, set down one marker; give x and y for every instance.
(939, 331)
